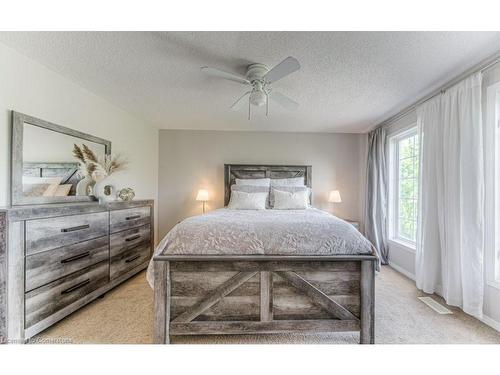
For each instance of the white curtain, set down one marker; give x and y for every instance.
(450, 240)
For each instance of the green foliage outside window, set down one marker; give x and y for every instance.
(408, 187)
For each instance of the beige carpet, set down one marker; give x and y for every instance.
(125, 316)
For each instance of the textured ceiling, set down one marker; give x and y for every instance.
(349, 81)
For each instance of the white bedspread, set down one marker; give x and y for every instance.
(263, 232)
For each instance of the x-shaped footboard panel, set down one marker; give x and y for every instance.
(203, 316)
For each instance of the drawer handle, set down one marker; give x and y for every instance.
(128, 239)
(76, 257)
(72, 229)
(133, 217)
(75, 287)
(132, 259)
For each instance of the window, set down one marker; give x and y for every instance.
(403, 189)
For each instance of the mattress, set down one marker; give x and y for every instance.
(263, 232)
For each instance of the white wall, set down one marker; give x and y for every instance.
(191, 160)
(29, 87)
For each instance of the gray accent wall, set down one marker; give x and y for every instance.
(193, 159)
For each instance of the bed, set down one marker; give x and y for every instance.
(263, 272)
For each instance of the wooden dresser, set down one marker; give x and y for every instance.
(56, 258)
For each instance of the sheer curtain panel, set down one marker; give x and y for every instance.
(450, 239)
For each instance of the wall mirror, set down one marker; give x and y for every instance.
(44, 167)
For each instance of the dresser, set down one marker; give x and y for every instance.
(56, 258)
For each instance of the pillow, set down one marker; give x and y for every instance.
(251, 189)
(253, 181)
(241, 200)
(34, 190)
(51, 190)
(41, 180)
(63, 190)
(289, 189)
(287, 200)
(294, 181)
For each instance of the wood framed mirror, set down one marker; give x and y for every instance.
(43, 167)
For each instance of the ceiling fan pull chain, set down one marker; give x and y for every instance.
(267, 103)
(248, 108)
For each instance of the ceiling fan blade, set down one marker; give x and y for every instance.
(283, 100)
(284, 68)
(239, 103)
(226, 75)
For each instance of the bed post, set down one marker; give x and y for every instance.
(367, 332)
(162, 302)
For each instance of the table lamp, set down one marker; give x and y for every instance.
(202, 196)
(334, 197)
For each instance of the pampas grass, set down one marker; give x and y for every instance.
(97, 168)
(108, 165)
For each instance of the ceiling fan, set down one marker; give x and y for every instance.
(259, 77)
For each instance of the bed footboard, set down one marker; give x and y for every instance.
(203, 295)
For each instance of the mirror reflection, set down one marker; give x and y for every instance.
(50, 166)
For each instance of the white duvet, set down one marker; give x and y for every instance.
(263, 232)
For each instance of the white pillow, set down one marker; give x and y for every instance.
(251, 189)
(241, 200)
(253, 181)
(294, 181)
(287, 200)
(288, 189)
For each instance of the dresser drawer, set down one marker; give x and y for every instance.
(128, 239)
(50, 265)
(130, 218)
(46, 234)
(46, 300)
(127, 260)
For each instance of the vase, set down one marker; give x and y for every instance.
(104, 190)
(84, 186)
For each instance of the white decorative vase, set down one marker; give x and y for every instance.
(104, 190)
(84, 186)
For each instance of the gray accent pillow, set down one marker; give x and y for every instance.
(252, 189)
(289, 189)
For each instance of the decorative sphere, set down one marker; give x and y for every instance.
(126, 194)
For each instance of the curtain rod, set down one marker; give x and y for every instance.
(480, 67)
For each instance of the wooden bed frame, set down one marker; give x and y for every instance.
(255, 294)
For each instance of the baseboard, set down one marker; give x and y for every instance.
(491, 322)
(402, 270)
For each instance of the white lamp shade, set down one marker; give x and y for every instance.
(202, 195)
(334, 197)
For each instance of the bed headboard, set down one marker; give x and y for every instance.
(233, 171)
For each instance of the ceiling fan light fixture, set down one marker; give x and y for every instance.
(259, 78)
(258, 98)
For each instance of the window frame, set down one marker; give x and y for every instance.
(393, 187)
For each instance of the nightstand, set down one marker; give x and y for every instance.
(355, 224)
